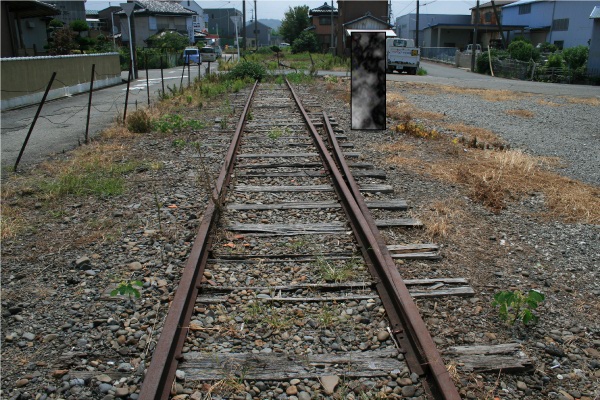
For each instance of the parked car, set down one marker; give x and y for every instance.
(208, 54)
(469, 49)
(284, 45)
(218, 50)
(192, 55)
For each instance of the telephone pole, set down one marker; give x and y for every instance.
(243, 24)
(417, 35)
(255, 25)
(474, 50)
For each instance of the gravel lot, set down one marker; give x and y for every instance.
(66, 337)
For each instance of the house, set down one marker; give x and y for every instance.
(198, 21)
(490, 30)
(449, 33)
(153, 16)
(218, 21)
(564, 23)
(353, 14)
(364, 23)
(323, 27)
(24, 27)
(69, 10)
(263, 33)
(109, 20)
(593, 66)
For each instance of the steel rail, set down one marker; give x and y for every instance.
(420, 343)
(400, 307)
(161, 372)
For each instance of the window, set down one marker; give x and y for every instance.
(324, 20)
(559, 44)
(525, 9)
(152, 23)
(488, 17)
(560, 24)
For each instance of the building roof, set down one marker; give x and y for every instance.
(325, 9)
(33, 8)
(499, 3)
(160, 7)
(595, 13)
(522, 2)
(368, 15)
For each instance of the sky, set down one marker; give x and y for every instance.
(275, 9)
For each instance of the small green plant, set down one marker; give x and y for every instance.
(421, 71)
(127, 288)
(330, 272)
(515, 306)
(179, 143)
(276, 133)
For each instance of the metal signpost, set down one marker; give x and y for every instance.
(128, 9)
(236, 19)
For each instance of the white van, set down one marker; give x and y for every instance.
(208, 54)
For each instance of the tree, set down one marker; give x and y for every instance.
(79, 26)
(294, 22)
(168, 40)
(307, 41)
(62, 42)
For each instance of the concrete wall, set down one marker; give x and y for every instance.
(594, 55)
(24, 80)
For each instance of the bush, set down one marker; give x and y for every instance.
(264, 50)
(307, 41)
(548, 47)
(139, 122)
(523, 51)
(554, 61)
(247, 69)
(576, 57)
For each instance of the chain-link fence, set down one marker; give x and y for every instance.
(441, 54)
(509, 68)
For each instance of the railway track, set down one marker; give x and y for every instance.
(289, 289)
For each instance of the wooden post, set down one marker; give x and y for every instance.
(37, 114)
(127, 92)
(87, 122)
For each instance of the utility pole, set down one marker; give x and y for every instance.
(499, 24)
(331, 27)
(417, 36)
(243, 24)
(255, 25)
(474, 50)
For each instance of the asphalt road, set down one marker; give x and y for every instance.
(62, 122)
(448, 75)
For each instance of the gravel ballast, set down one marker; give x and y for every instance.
(64, 336)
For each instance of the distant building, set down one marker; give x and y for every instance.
(350, 16)
(24, 27)
(564, 23)
(263, 34)
(406, 27)
(218, 21)
(152, 17)
(107, 17)
(594, 54)
(69, 10)
(198, 20)
(322, 18)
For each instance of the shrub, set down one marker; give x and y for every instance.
(554, 61)
(548, 47)
(576, 57)
(247, 69)
(523, 51)
(139, 122)
(307, 41)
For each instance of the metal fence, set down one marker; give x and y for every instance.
(440, 54)
(509, 68)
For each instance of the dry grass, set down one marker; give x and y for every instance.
(470, 132)
(548, 103)
(12, 221)
(520, 113)
(495, 178)
(440, 217)
(486, 94)
(396, 147)
(591, 101)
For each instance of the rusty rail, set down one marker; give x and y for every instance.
(407, 325)
(161, 372)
